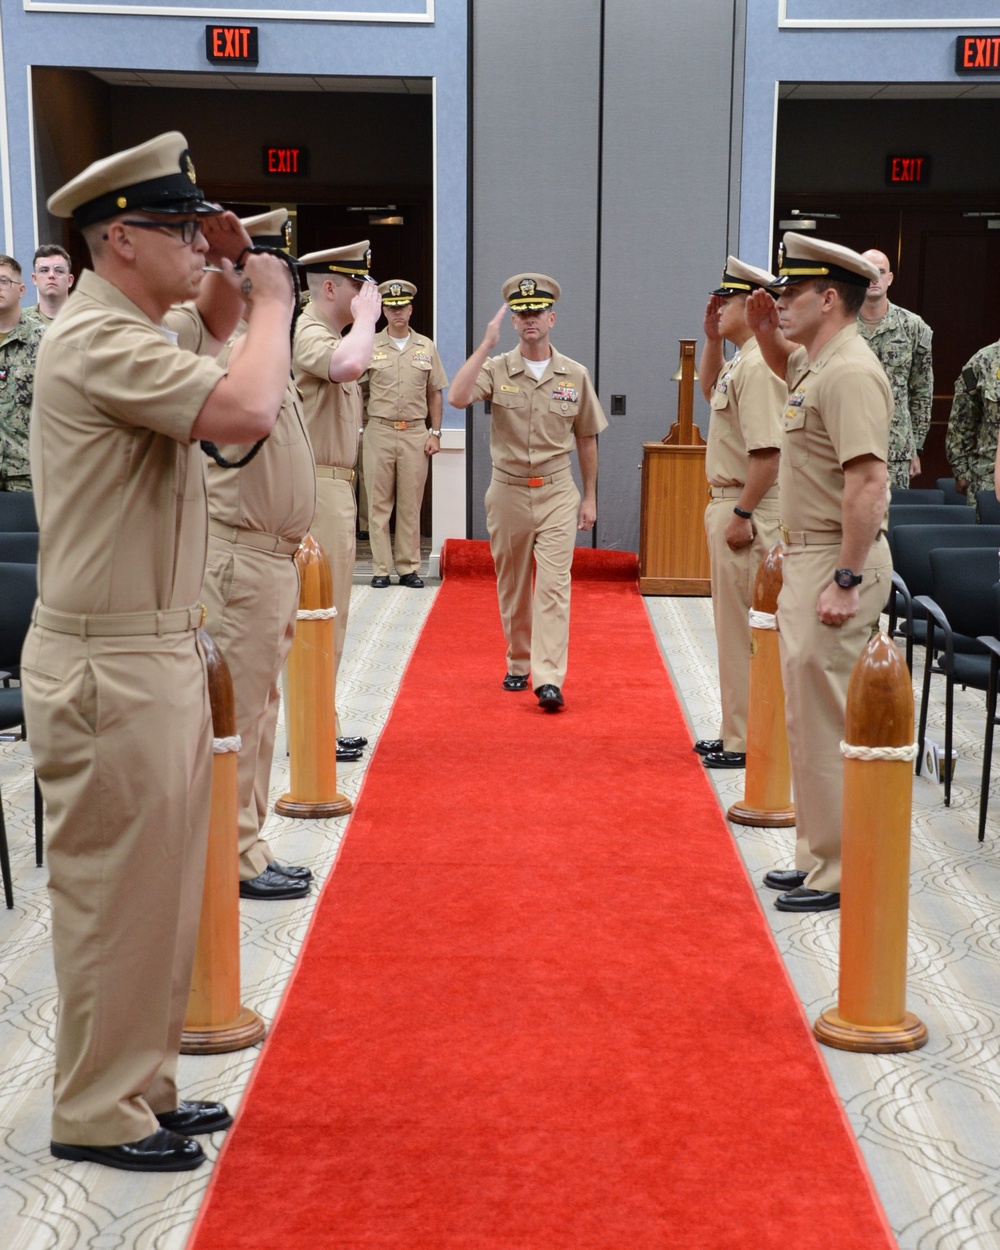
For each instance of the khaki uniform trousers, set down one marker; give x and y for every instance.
(333, 528)
(395, 471)
(362, 484)
(816, 664)
(733, 577)
(121, 737)
(252, 599)
(539, 521)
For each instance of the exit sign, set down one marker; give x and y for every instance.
(286, 162)
(977, 54)
(907, 170)
(231, 45)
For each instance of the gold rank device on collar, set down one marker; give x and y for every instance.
(802, 258)
(155, 177)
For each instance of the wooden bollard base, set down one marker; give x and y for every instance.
(339, 805)
(889, 1039)
(246, 1030)
(776, 818)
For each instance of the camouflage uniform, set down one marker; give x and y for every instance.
(34, 313)
(902, 342)
(974, 424)
(17, 379)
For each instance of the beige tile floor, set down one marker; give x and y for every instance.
(928, 1123)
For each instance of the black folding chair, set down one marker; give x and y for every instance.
(928, 514)
(987, 507)
(960, 610)
(992, 644)
(17, 511)
(951, 491)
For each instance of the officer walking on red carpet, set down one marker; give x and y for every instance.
(115, 688)
(542, 404)
(741, 520)
(833, 488)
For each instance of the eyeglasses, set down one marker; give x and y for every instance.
(60, 271)
(188, 230)
(6, 282)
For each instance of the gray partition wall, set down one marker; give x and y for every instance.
(602, 153)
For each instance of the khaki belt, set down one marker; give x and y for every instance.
(727, 492)
(811, 538)
(253, 538)
(335, 471)
(122, 624)
(508, 480)
(400, 425)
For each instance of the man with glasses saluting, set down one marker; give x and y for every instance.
(115, 688)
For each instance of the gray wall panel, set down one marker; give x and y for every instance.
(668, 94)
(535, 94)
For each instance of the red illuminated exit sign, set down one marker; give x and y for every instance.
(907, 170)
(231, 45)
(977, 54)
(286, 162)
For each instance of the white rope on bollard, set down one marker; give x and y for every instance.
(222, 746)
(878, 753)
(762, 620)
(316, 614)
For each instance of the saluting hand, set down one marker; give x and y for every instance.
(711, 323)
(761, 313)
(367, 304)
(227, 238)
(492, 335)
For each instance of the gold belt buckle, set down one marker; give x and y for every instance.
(785, 534)
(204, 616)
(400, 425)
(536, 481)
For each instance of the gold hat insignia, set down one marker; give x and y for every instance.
(187, 166)
(527, 286)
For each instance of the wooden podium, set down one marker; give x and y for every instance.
(673, 549)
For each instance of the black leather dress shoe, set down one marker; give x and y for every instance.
(380, 581)
(161, 1151)
(802, 899)
(550, 698)
(192, 1118)
(273, 884)
(348, 755)
(364, 535)
(516, 681)
(784, 878)
(708, 746)
(297, 872)
(725, 759)
(413, 580)
(352, 744)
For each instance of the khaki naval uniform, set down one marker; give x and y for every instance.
(839, 407)
(333, 418)
(259, 516)
(398, 385)
(116, 700)
(532, 503)
(746, 411)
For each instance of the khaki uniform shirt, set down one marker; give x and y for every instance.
(535, 424)
(397, 383)
(119, 486)
(838, 407)
(332, 409)
(746, 416)
(276, 492)
(18, 353)
(902, 342)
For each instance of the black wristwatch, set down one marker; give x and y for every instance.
(742, 512)
(846, 578)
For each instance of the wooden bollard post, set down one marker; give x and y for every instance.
(310, 715)
(879, 751)
(767, 790)
(215, 1021)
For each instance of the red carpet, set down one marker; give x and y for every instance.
(539, 1007)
